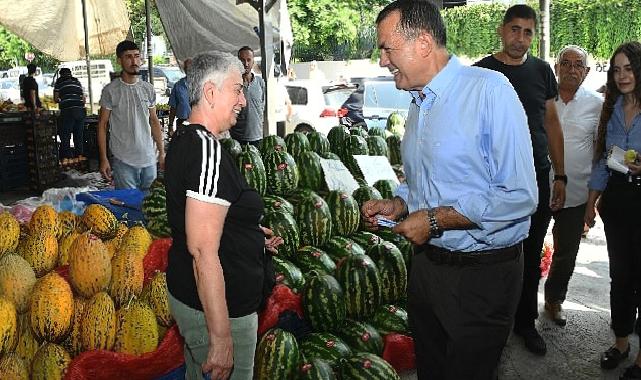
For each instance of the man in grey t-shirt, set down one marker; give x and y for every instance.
(128, 109)
(249, 126)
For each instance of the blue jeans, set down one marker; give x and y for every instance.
(73, 121)
(130, 177)
(193, 328)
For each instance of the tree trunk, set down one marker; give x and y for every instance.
(544, 45)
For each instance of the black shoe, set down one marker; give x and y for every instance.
(631, 373)
(533, 341)
(611, 358)
(556, 314)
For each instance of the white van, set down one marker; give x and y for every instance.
(100, 70)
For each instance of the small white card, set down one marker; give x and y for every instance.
(375, 168)
(616, 160)
(337, 176)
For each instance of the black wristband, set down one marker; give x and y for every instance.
(561, 177)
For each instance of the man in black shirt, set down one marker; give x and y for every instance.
(69, 94)
(30, 89)
(535, 84)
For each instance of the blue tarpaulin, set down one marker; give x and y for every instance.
(131, 198)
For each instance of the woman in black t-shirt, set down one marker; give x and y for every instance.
(216, 270)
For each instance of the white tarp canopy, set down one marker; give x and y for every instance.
(195, 26)
(55, 27)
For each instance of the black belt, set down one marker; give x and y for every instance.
(442, 256)
(621, 178)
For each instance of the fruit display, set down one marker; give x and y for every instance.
(53, 310)
(351, 283)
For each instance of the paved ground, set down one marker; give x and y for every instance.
(573, 350)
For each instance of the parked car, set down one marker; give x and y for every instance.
(10, 90)
(170, 75)
(316, 106)
(374, 100)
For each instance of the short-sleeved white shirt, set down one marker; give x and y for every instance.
(130, 138)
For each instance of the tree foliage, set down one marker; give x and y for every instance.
(137, 18)
(13, 49)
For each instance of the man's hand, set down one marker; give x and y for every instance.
(415, 227)
(391, 209)
(220, 358)
(558, 196)
(161, 161)
(271, 242)
(105, 169)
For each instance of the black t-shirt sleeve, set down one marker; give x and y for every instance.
(208, 179)
(552, 87)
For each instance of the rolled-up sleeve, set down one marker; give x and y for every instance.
(512, 193)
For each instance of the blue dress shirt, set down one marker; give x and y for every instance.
(179, 99)
(616, 135)
(467, 145)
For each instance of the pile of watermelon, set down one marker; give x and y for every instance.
(353, 283)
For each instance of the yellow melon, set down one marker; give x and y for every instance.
(16, 281)
(27, 343)
(89, 265)
(73, 343)
(127, 275)
(137, 330)
(12, 367)
(8, 326)
(137, 239)
(44, 218)
(40, 249)
(63, 247)
(98, 326)
(9, 233)
(100, 221)
(51, 308)
(50, 362)
(67, 223)
(156, 296)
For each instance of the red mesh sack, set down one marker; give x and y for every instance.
(108, 365)
(546, 259)
(156, 258)
(281, 299)
(399, 352)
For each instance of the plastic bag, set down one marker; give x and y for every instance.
(281, 299)
(156, 258)
(399, 352)
(108, 365)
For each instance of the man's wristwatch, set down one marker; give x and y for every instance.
(561, 177)
(435, 230)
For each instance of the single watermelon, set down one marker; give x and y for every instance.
(361, 283)
(323, 302)
(346, 214)
(277, 356)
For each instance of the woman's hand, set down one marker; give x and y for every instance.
(271, 242)
(220, 358)
(635, 167)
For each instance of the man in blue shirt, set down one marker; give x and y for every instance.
(470, 192)
(179, 101)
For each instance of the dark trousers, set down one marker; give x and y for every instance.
(460, 316)
(620, 211)
(528, 309)
(72, 121)
(567, 231)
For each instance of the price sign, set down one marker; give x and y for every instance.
(375, 168)
(29, 56)
(337, 176)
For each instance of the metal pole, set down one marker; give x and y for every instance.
(87, 59)
(150, 58)
(265, 36)
(544, 46)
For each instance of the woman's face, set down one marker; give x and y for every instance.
(623, 74)
(230, 99)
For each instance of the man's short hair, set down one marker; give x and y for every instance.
(523, 11)
(31, 69)
(245, 48)
(417, 16)
(575, 48)
(65, 72)
(124, 46)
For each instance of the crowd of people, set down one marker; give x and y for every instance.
(492, 154)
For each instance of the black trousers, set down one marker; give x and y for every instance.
(460, 316)
(620, 211)
(72, 121)
(567, 231)
(528, 309)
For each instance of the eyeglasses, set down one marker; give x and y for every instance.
(569, 65)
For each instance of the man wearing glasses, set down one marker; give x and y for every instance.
(578, 110)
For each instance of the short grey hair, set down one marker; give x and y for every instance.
(211, 66)
(575, 48)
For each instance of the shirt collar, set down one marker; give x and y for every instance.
(441, 81)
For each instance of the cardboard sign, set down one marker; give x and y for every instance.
(337, 176)
(375, 168)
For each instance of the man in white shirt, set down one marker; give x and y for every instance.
(578, 109)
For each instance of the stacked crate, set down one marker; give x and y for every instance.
(13, 153)
(42, 150)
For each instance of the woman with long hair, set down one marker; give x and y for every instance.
(619, 200)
